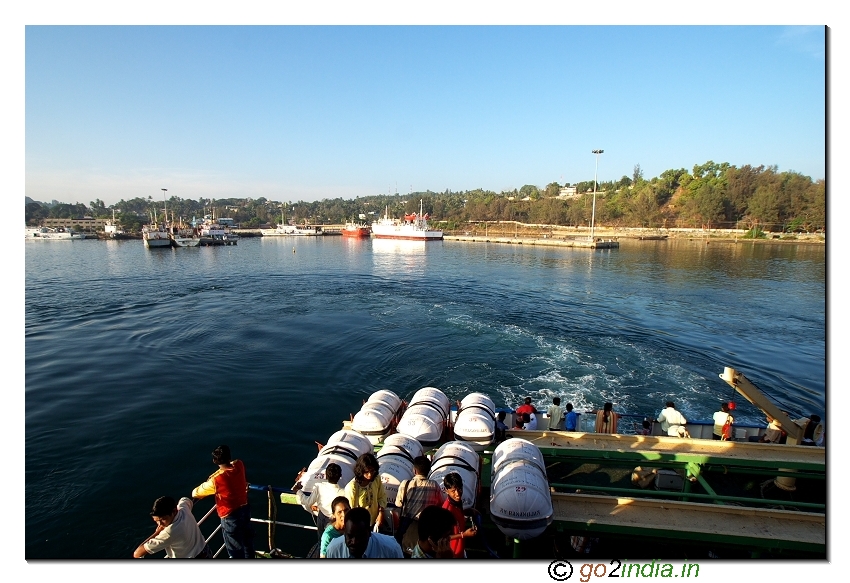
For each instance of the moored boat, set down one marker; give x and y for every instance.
(356, 230)
(51, 234)
(212, 233)
(156, 233)
(284, 229)
(414, 227)
(155, 236)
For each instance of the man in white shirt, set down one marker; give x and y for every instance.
(672, 422)
(176, 533)
(359, 542)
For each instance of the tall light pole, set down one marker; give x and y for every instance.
(593, 212)
(164, 204)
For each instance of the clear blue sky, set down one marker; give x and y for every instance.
(311, 112)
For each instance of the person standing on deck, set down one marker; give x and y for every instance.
(366, 490)
(413, 496)
(336, 528)
(606, 419)
(453, 485)
(555, 414)
(526, 407)
(501, 427)
(323, 494)
(435, 531)
(720, 419)
(359, 542)
(672, 422)
(230, 488)
(571, 419)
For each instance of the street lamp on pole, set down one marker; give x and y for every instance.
(593, 212)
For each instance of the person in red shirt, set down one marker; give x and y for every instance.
(230, 488)
(526, 407)
(453, 484)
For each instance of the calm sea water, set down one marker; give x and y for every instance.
(139, 362)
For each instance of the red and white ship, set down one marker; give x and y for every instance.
(414, 227)
(355, 230)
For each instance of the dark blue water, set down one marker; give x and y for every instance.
(139, 362)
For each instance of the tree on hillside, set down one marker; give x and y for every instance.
(637, 174)
(553, 189)
(643, 210)
(704, 204)
(764, 206)
(740, 185)
(530, 191)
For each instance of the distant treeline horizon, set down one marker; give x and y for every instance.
(710, 195)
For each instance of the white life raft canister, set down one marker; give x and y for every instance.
(395, 460)
(378, 415)
(459, 457)
(425, 417)
(343, 448)
(520, 501)
(476, 421)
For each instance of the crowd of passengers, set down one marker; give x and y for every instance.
(432, 522)
(673, 423)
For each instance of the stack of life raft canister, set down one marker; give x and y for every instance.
(520, 502)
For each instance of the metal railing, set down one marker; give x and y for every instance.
(271, 491)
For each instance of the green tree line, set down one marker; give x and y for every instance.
(710, 195)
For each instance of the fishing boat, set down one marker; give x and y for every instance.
(156, 233)
(414, 227)
(185, 237)
(356, 230)
(558, 494)
(212, 233)
(113, 230)
(155, 236)
(53, 234)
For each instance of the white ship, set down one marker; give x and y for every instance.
(413, 228)
(284, 229)
(156, 235)
(57, 234)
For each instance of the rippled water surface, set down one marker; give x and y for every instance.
(139, 362)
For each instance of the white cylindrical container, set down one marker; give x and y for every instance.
(390, 399)
(517, 448)
(374, 420)
(343, 448)
(476, 421)
(520, 500)
(396, 462)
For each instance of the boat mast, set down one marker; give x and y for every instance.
(593, 214)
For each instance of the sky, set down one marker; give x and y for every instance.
(312, 112)
(345, 99)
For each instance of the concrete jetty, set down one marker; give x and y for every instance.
(597, 243)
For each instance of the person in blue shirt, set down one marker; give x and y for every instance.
(571, 419)
(501, 427)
